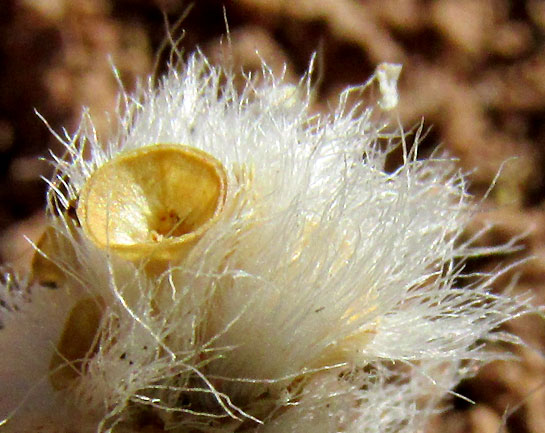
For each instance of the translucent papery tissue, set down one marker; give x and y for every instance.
(230, 261)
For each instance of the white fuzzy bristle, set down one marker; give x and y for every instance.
(318, 293)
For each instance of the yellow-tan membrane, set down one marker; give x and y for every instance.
(153, 203)
(77, 342)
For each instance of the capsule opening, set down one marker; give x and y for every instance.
(156, 200)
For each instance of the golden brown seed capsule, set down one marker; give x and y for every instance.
(153, 203)
(53, 248)
(77, 342)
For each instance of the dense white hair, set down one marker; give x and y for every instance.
(328, 295)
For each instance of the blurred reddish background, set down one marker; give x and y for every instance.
(473, 69)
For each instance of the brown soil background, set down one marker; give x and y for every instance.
(473, 69)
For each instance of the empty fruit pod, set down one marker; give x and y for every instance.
(153, 203)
